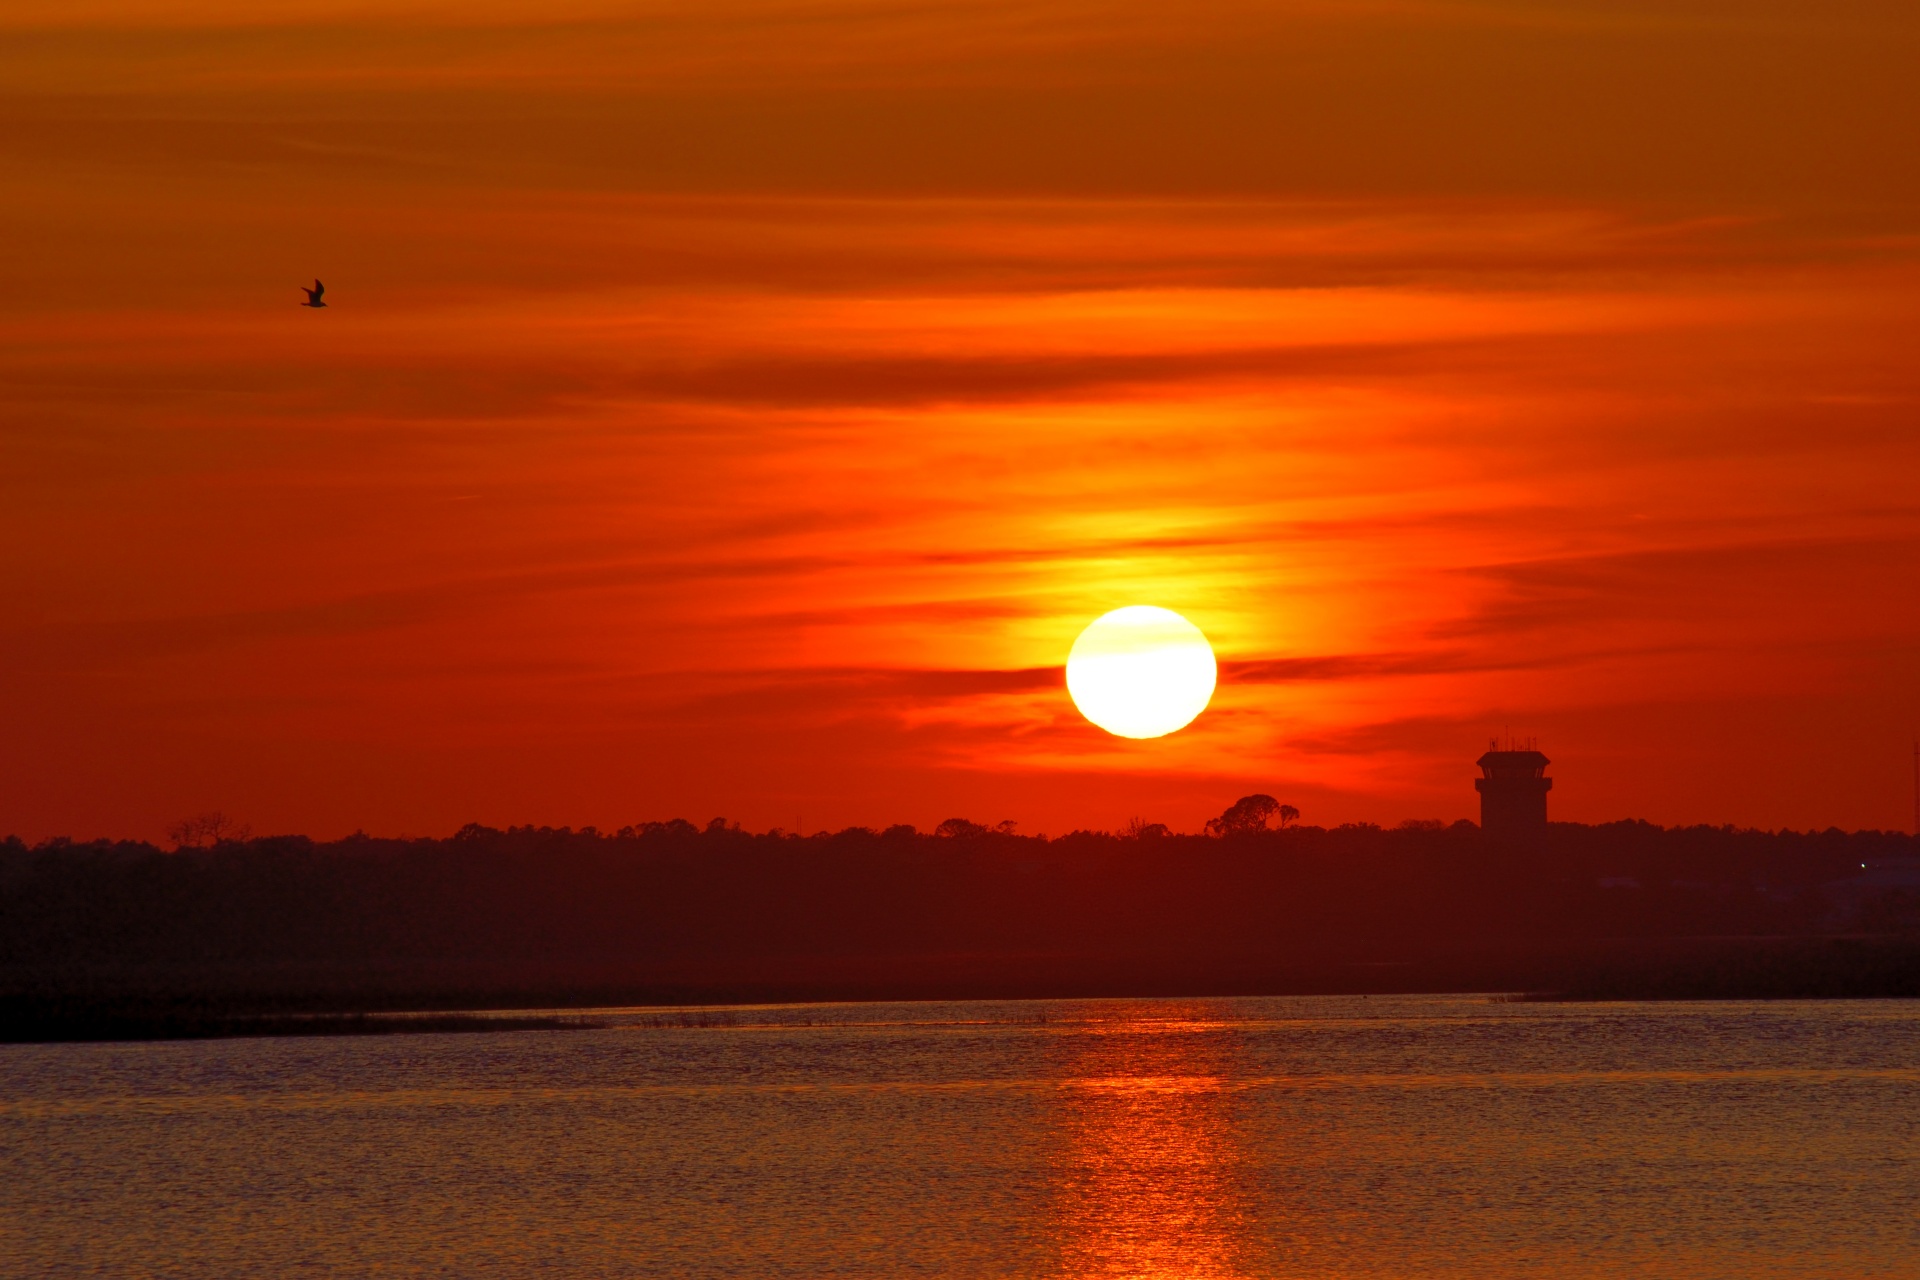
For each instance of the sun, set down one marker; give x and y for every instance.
(1141, 672)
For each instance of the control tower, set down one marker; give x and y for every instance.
(1513, 790)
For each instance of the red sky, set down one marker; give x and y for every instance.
(738, 408)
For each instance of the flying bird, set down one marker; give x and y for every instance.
(314, 294)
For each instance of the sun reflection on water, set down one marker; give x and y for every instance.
(1146, 1179)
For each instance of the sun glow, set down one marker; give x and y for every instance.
(1141, 672)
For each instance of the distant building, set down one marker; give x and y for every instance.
(1513, 790)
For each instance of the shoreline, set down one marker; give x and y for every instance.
(134, 1027)
(125, 1025)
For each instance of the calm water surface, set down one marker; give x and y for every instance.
(1324, 1137)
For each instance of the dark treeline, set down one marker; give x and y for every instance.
(670, 911)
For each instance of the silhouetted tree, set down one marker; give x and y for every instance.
(1251, 813)
(1138, 829)
(956, 828)
(204, 830)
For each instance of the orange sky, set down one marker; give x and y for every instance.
(738, 408)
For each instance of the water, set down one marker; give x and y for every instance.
(1323, 1137)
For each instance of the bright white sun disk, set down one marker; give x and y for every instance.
(1141, 672)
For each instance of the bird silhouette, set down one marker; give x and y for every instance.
(314, 294)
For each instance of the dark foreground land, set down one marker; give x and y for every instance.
(287, 936)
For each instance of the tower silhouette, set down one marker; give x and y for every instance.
(1513, 786)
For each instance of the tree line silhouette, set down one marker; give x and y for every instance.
(665, 911)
